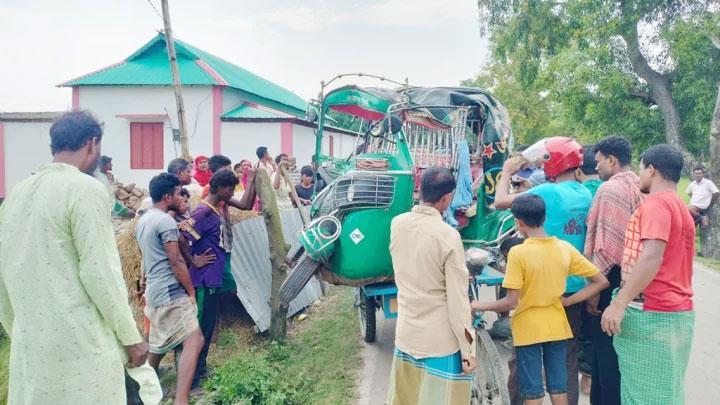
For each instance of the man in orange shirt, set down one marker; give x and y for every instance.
(652, 317)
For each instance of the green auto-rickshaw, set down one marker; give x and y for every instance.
(404, 130)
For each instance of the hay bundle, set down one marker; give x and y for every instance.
(237, 215)
(130, 258)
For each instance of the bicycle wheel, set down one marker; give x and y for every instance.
(489, 385)
(366, 315)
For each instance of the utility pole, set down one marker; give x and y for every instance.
(184, 147)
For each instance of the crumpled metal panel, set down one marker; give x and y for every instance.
(250, 262)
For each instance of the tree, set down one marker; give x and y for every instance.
(646, 69)
(710, 238)
(278, 250)
(611, 66)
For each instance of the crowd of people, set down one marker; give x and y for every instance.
(186, 254)
(600, 284)
(86, 332)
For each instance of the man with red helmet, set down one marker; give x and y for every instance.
(568, 203)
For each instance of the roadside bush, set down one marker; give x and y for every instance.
(255, 379)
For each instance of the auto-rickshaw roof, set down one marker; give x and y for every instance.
(440, 102)
(436, 104)
(370, 103)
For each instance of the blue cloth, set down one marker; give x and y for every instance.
(567, 205)
(463, 196)
(537, 178)
(532, 359)
(447, 367)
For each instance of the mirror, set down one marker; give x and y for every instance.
(311, 115)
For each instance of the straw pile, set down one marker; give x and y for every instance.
(130, 259)
(237, 215)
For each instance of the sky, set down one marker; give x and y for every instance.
(295, 44)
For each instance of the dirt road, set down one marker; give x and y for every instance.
(700, 382)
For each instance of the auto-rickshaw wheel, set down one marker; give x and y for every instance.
(366, 315)
(489, 384)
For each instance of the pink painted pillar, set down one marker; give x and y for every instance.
(2, 160)
(217, 112)
(286, 138)
(76, 98)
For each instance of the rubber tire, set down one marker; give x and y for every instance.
(490, 373)
(366, 315)
(298, 278)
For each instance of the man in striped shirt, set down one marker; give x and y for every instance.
(613, 205)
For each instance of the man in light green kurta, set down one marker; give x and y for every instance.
(62, 297)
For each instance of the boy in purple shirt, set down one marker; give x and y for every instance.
(205, 235)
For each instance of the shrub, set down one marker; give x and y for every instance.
(254, 379)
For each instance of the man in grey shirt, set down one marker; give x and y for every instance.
(169, 295)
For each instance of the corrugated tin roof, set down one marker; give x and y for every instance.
(245, 111)
(250, 264)
(150, 66)
(45, 116)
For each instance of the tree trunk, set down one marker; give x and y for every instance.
(710, 237)
(278, 250)
(660, 88)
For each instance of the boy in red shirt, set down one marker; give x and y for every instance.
(652, 316)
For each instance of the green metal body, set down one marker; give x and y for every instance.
(368, 256)
(362, 250)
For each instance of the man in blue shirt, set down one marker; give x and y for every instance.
(568, 203)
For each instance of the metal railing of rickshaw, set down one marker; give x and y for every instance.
(428, 146)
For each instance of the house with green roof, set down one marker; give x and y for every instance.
(229, 110)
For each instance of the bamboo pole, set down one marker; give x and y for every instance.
(294, 197)
(177, 87)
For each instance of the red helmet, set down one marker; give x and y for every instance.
(563, 154)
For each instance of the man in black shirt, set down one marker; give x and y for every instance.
(304, 190)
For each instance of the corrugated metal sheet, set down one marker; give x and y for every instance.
(250, 261)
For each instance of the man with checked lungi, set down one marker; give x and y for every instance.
(434, 350)
(652, 317)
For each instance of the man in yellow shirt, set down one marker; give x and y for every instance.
(535, 279)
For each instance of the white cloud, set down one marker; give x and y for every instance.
(293, 43)
(418, 14)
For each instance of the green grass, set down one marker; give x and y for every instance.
(682, 185)
(4, 367)
(328, 351)
(316, 365)
(711, 263)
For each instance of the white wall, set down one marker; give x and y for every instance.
(303, 144)
(232, 99)
(27, 146)
(239, 140)
(106, 102)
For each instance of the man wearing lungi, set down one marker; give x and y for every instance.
(434, 349)
(169, 295)
(614, 204)
(652, 317)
